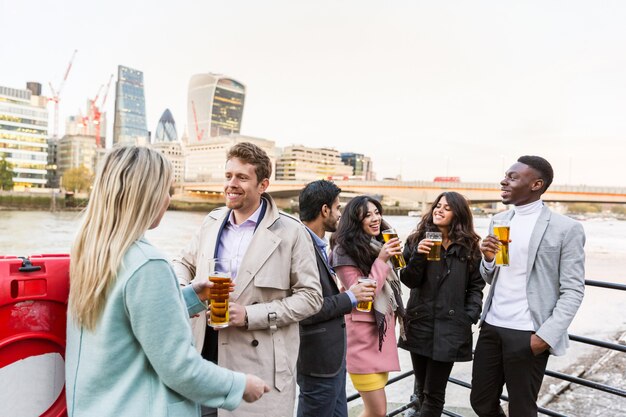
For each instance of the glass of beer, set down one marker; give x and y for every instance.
(365, 306)
(501, 230)
(435, 250)
(397, 261)
(220, 276)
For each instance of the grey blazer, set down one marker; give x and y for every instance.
(555, 281)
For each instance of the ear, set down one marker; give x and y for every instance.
(537, 185)
(325, 210)
(263, 185)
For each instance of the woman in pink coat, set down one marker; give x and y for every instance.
(359, 251)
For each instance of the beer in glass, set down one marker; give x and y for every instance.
(397, 261)
(435, 250)
(501, 230)
(220, 276)
(365, 306)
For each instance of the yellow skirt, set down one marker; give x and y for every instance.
(369, 382)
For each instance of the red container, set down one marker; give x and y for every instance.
(33, 308)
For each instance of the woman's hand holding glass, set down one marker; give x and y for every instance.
(201, 288)
(424, 246)
(389, 249)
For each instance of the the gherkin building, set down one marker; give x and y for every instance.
(166, 128)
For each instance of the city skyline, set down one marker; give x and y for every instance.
(424, 89)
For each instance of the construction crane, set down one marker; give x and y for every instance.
(95, 110)
(56, 96)
(199, 133)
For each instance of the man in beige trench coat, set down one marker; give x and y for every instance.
(276, 283)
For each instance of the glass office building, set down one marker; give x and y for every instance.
(129, 126)
(361, 165)
(166, 128)
(214, 107)
(24, 135)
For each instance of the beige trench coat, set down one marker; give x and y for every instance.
(278, 274)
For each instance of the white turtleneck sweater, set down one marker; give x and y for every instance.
(509, 307)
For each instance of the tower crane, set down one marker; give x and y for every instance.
(56, 96)
(96, 110)
(199, 133)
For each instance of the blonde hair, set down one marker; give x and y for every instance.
(126, 199)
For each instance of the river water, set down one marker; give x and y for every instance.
(600, 316)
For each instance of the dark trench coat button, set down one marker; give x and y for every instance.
(451, 312)
(255, 343)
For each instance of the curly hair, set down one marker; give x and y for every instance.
(461, 228)
(351, 237)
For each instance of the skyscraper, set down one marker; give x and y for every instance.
(166, 128)
(23, 134)
(130, 126)
(166, 141)
(214, 107)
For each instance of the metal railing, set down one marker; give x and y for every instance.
(558, 375)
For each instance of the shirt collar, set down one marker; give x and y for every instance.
(252, 220)
(321, 243)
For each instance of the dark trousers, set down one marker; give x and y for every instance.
(431, 379)
(503, 356)
(323, 396)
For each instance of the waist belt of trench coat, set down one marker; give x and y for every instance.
(271, 318)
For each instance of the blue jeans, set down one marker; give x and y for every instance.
(323, 396)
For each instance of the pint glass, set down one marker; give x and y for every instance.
(435, 250)
(220, 276)
(397, 261)
(365, 306)
(501, 229)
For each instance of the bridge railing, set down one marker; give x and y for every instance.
(615, 391)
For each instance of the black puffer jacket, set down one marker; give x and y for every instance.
(446, 298)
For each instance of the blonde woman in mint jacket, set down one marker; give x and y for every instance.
(129, 343)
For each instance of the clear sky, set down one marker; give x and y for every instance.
(426, 88)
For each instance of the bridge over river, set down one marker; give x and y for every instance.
(415, 193)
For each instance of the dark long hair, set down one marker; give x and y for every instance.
(461, 229)
(351, 237)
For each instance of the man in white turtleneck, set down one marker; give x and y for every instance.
(531, 302)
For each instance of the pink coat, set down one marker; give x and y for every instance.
(363, 356)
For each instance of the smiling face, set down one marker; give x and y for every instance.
(371, 222)
(242, 189)
(521, 185)
(442, 214)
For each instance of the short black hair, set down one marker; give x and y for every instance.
(542, 167)
(313, 197)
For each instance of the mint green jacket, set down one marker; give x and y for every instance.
(140, 359)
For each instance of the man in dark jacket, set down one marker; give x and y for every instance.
(321, 362)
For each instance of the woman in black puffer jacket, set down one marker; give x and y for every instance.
(446, 298)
